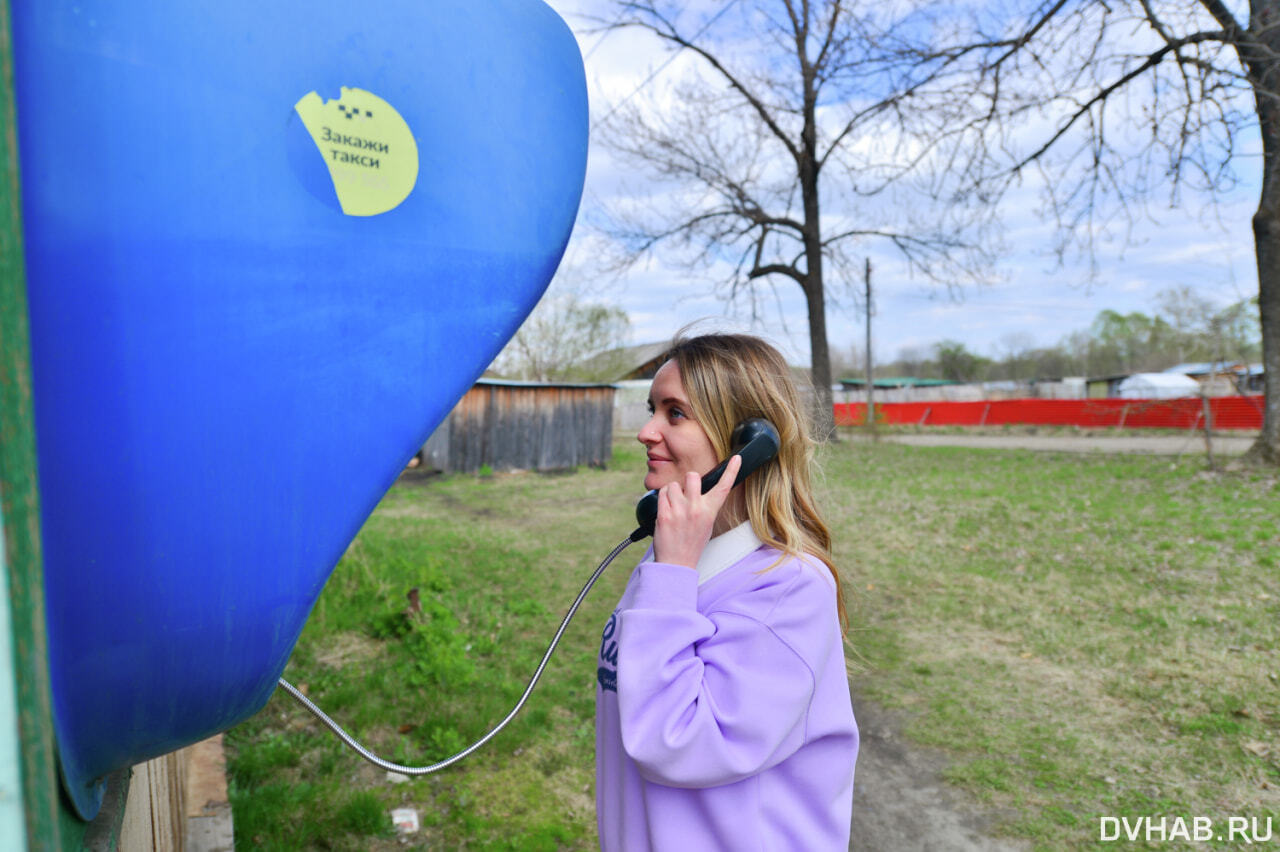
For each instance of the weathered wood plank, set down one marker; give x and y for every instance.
(524, 427)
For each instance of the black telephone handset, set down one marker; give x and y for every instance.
(756, 440)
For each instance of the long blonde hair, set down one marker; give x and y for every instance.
(732, 377)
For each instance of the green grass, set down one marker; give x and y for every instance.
(1086, 636)
(495, 561)
(1083, 636)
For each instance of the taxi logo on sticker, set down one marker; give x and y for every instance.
(368, 148)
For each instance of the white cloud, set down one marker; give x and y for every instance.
(1032, 293)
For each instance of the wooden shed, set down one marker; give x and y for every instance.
(524, 426)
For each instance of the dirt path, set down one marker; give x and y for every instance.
(1172, 445)
(900, 801)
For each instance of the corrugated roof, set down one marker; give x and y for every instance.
(1166, 379)
(899, 382)
(626, 360)
(1204, 368)
(506, 383)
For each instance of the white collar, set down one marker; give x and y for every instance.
(725, 550)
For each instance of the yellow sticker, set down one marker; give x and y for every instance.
(367, 146)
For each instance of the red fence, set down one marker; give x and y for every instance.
(1229, 412)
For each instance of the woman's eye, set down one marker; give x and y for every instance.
(676, 414)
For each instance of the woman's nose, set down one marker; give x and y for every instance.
(647, 434)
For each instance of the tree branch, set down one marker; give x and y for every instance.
(1106, 92)
(777, 269)
(670, 34)
(830, 39)
(1230, 26)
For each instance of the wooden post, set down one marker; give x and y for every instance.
(871, 400)
(1207, 416)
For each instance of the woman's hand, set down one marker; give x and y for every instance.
(686, 516)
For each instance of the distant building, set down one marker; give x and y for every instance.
(909, 389)
(1200, 369)
(631, 405)
(630, 369)
(1157, 386)
(1102, 387)
(1006, 389)
(1222, 378)
(627, 362)
(1214, 379)
(896, 382)
(1249, 380)
(1068, 387)
(524, 426)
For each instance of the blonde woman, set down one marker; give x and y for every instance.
(723, 718)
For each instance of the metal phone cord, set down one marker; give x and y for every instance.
(435, 767)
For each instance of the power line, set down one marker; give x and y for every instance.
(647, 80)
(604, 35)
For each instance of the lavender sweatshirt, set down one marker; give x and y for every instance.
(723, 719)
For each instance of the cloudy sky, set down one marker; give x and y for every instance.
(1032, 299)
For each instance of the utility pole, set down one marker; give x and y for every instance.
(871, 400)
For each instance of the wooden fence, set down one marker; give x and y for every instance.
(524, 426)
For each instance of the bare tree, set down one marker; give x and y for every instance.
(912, 361)
(1208, 331)
(1109, 104)
(1016, 356)
(848, 362)
(780, 152)
(558, 337)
